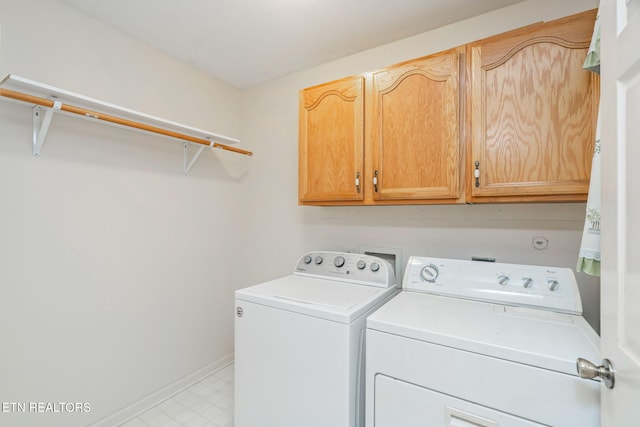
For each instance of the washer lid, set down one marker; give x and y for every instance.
(534, 337)
(327, 299)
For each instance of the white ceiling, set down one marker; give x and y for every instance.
(246, 42)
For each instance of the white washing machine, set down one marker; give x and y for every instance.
(472, 344)
(299, 342)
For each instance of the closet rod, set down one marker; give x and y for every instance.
(117, 120)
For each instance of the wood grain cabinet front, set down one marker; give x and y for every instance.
(415, 129)
(510, 118)
(533, 113)
(387, 137)
(331, 142)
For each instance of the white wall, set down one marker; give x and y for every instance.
(116, 270)
(280, 230)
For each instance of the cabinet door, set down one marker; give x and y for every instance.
(415, 132)
(331, 141)
(533, 113)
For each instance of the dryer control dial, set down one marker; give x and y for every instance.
(430, 273)
(503, 279)
(338, 261)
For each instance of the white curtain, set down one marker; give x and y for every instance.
(589, 256)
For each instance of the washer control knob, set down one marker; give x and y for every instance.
(338, 261)
(503, 279)
(318, 260)
(553, 284)
(375, 266)
(430, 273)
(527, 282)
(361, 265)
(307, 259)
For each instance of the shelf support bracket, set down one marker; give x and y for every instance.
(188, 164)
(41, 125)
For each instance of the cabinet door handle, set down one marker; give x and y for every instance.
(375, 181)
(358, 182)
(476, 173)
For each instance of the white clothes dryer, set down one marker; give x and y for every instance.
(299, 342)
(472, 344)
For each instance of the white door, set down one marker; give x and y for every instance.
(620, 303)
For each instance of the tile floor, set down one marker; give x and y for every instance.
(208, 403)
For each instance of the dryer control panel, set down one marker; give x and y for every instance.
(347, 267)
(550, 288)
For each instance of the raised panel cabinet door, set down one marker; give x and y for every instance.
(415, 134)
(331, 141)
(533, 111)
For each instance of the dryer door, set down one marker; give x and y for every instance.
(398, 403)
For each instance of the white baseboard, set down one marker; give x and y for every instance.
(146, 403)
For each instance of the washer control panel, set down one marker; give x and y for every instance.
(551, 288)
(347, 267)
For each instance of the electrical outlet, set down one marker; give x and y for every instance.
(540, 243)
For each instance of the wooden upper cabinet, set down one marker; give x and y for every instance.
(533, 113)
(510, 118)
(415, 129)
(331, 141)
